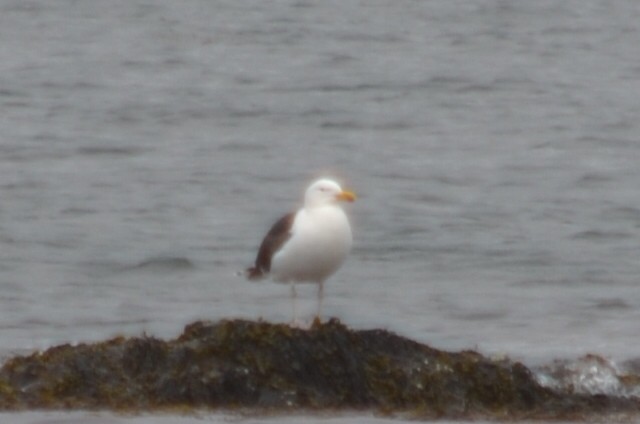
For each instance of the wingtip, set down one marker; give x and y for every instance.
(254, 274)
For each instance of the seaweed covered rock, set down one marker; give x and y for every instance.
(244, 364)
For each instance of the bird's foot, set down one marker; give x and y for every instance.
(299, 324)
(317, 321)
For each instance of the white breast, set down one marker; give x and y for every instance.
(321, 239)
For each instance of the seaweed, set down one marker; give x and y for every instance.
(245, 364)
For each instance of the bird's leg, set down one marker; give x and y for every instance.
(320, 299)
(294, 295)
(295, 323)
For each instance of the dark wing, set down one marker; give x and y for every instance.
(273, 241)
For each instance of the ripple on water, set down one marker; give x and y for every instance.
(162, 263)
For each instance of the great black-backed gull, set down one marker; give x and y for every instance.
(308, 245)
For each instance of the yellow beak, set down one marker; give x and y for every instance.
(346, 196)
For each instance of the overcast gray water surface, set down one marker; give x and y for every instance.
(146, 147)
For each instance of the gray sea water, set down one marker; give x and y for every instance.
(146, 147)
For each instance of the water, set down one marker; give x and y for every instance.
(145, 148)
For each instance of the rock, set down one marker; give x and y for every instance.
(244, 364)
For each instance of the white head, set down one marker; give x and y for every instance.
(325, 192)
